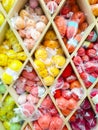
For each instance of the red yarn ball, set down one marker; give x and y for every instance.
(67, 72)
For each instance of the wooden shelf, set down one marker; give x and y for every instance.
(93, 23)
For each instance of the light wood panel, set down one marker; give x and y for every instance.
(18, 5)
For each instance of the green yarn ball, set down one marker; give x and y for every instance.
(2, 89)
(15, 126)
(9, 101)
(6, 125)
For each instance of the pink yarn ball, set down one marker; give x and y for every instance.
(85, 58)
(47, 103)
(44, 121)
(28, 109)
(66, 94)
(91, 53)
(66, 85)
(34, 91)
(33, 3)
(81, 51)
(32, 99)
(77, 60)
(56, 123)
(22, 99)
(52, 5)
(62, 103)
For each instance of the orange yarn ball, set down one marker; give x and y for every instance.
(61, 24)
(75, 84)
(70, 48)
(93, 2)
(52, 44)
(79, 16)
(66, 112)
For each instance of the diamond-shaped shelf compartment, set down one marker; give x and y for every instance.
(8, 4)
(94, 97)
(30, 23)
(94, 7)
(9, 120)
(71, 23)
(86, 59)
(84, 118)
(49, 58)
(52, 5)
(2, 90)
(67, 91)
(12, 56)
(2, 19)
(48, 117)
(28, 87)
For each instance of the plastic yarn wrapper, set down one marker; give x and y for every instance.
(28, 68)
(21, 81)
(94, 97)
(96, 116)
(35, 17)
(89, 77)
(52, 6)
(41, 91)
(72, 28)
(73, 40)
(13, 20)
(12, 73)
(86, 70)
(32, 32)
(91, 65)
(78, 91)
(57, 85)
(94, 92)
(58, 60)
(17, 22)
(50, 52)
(79, 63)
(84, 117)
(21, 116)
(68, 15)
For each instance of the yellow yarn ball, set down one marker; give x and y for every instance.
(60, 51)
(6, 125)
(50, 35)
(43, 73)
(59, 60)
(54, 71)
(6, 78)
(41, 53)
(7, 4)
(16, 65)
(11, 54)
(21, 56)
(48, 81)
(48, 62)
(39, 65)
(1, 19)
(3, 59)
